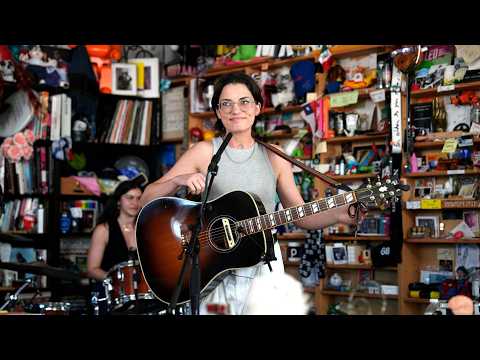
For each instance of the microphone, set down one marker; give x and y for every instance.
(218, 154)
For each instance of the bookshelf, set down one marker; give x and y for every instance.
(420, 253)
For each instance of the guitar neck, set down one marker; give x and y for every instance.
(285, 216)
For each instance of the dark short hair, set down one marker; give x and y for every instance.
(235, 78)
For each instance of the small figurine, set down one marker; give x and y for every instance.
(335, 78)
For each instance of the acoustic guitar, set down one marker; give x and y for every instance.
(237, 233)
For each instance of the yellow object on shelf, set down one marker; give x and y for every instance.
(430, 204)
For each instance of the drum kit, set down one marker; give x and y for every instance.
(123, 292)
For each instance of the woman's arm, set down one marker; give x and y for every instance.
(95, 252)
(289, 196)
(188, 171)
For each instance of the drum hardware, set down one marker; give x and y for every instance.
(14, 297)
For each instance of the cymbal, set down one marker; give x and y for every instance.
(41, 269)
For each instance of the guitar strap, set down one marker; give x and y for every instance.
(309, 170)
(353, 210)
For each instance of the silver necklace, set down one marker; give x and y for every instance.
(242, 161)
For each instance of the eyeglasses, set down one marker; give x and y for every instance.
(244, 104)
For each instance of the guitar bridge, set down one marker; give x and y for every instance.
(230, 241)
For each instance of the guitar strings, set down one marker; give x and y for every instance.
(213, 234)
(217, 234)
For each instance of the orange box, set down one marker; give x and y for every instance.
(71, 186)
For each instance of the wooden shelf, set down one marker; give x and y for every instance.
(291, 60)
(310, 290)
(358, 238)
(358, 294)
(356, 138)
(442, 241)
(353, 176)
(452, 205)
(172, 141)
(265, 111)
(434, 92)
(224, 69)
(351, 50)
(291, 263)
(440, 173)
(417, 301)
(349, 266)
(437, 144)
(291, 236)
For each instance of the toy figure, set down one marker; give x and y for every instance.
(285, 88)
(44, 68)
(335, 77)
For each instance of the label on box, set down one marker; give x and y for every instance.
(413, 204)
(446, 88)
(378, 95)
(431, 204)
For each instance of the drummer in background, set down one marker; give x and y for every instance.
(113, 239)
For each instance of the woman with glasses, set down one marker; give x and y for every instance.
(245, 165)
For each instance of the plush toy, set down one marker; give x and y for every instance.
(47, 70)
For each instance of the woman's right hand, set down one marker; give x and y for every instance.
(194, 182)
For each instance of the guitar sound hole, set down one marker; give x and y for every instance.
(222, 233)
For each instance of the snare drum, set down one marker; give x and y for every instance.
(127, 281)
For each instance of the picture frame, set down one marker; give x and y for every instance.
(339, 251)
(472, 219)
(148, 78)
(124, 79)
(430, 221)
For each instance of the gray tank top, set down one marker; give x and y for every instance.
(248, 170)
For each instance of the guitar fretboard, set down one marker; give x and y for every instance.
(285, 216)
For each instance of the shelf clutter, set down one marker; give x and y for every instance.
(353, 117)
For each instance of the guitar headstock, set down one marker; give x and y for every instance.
(382, 192)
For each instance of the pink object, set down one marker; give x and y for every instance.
(413, 163)
(29, 136)
(90, 183)
(20, 139)
(14, 152)
(27, 152)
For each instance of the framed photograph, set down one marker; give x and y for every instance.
(339, 251)
(468, 190)
(124, 79)
(430, 221)
(471, 218)
(148, 78)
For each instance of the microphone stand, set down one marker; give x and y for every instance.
(193, 249)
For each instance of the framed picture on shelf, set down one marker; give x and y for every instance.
(124, 79)
(471, 218)
(429, 221)
(339, 252)
(148, 78)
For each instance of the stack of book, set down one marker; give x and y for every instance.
(32, 176)
(131, 123)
